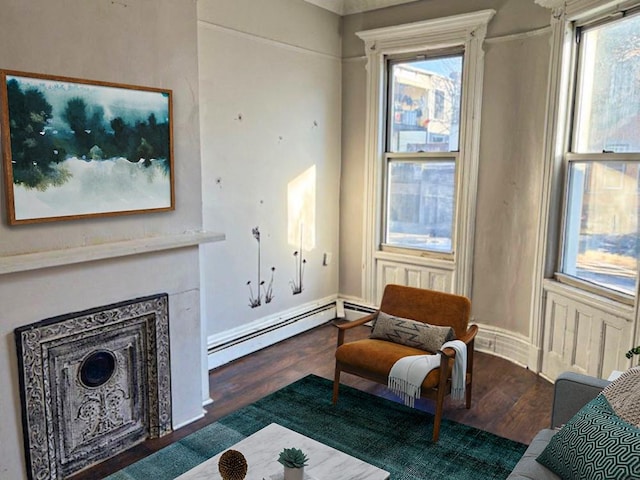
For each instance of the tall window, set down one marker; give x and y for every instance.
(422, 152)
(602, 207)
(423, 112)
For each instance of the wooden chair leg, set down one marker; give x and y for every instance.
(470, 351)
(336, 385)
(438, 418)
(442, 390)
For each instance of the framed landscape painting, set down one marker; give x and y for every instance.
(78, 148)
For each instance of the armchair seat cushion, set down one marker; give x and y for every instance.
(374, 358)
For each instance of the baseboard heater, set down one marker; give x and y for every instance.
(270, 328)
(358, 308)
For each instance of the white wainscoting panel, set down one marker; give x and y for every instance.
(411, 275)
(583, 335)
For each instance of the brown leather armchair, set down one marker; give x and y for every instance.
(373, 358)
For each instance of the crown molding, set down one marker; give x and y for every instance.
(348, 7)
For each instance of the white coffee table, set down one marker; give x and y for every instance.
(261, 451)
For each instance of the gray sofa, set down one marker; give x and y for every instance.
(571, 392)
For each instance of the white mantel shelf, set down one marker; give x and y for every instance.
(68, 256)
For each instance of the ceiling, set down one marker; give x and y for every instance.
(347, 7)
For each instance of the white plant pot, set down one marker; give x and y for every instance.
(293, 473)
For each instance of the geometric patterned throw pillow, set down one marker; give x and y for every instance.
(411, 333)
(595, 444)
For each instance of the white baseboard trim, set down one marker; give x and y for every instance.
(232, 344)
(187, 422)
(503, 343)
(354, 310)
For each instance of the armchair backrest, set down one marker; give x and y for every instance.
(428, 306)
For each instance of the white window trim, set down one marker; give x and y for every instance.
(555, 144)
(468, 30)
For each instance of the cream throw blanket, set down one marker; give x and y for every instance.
(408, 373)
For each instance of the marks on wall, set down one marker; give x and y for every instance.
(262, 291)
(301, 262)
(301, 235)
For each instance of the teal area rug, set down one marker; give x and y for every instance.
(380, 432)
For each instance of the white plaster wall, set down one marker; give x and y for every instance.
(510, 173)
(139, 42)
(354, 104)
(270, 99)
(510, 181)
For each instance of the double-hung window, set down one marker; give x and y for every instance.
(424, 91)
(601, 246)
(423, 114)
(421, 152)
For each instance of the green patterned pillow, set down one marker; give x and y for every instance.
(411, 333)
(594, 444)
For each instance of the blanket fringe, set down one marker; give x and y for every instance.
(406, 390)
(407, 374)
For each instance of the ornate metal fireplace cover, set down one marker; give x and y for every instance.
(93, 384)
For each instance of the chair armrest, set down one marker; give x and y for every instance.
(472, 331)
(355, 323)
(342, 327)
(468, 338)
(571, 392)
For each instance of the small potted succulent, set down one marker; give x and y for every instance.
(294, 460)
(632, 352)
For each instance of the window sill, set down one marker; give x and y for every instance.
(594, 289)
(427, 259)
(598, 301)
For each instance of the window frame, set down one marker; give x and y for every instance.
(569, 155)
(467, 30)
(418, 157)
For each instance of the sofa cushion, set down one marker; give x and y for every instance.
(595, 444)
(410, 332)
(527, 468)
(623, 395)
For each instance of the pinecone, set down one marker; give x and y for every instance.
(232, 465)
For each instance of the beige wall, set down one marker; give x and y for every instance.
(510, 180)
(510, 174)
(354, 102)
(139, 42)
(270, 83)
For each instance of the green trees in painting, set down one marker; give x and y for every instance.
(32, 152)
(39, 141)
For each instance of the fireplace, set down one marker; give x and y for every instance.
(93, 384)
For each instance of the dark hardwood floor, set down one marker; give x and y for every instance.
(508, 400)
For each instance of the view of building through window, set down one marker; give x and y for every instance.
(425, 105)
(421, 204)
(602, 225)
(603, 202)
(423, 120)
